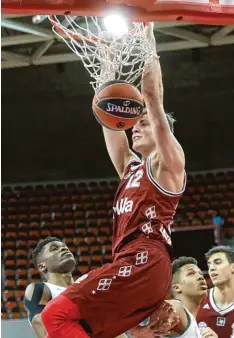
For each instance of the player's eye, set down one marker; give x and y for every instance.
(191, 273)
(52, 248)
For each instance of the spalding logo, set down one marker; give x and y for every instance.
(126, 103)
(113, 108)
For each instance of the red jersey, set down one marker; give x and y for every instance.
(220, 321)
(142, 207)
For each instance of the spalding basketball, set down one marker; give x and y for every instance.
(118, 105)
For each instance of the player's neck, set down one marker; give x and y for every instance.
(191, 303)
(224, 293)
(60, 279)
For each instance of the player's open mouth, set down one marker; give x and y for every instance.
(136, 137)
(203, 286)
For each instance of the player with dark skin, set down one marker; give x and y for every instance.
(55, 263)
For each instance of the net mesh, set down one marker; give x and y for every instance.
(121, 57)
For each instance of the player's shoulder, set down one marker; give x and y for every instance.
(37, 291)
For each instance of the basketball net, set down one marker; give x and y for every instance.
(104, 55)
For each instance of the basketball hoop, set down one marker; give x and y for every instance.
(105, 56)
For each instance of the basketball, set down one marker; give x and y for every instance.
(118, 105)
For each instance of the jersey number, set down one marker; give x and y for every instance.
(134, 180)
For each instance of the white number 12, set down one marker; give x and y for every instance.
(134, 180)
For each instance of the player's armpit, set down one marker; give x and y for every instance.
(37, 295)
(38, 326)
(118, 149)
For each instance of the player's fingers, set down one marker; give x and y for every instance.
(155, 323)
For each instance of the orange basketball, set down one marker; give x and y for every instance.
(118, 105)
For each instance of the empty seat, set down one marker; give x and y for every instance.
(8, 295)
(19, 294)
(9, 284)
(21, 273)
(9, 263)
(15, 315)
(9, 274)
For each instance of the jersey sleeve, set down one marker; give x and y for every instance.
(34, 306)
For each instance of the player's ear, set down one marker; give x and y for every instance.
(232, 268)
(176, 289)
(42, 268)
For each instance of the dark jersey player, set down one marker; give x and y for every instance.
(116, 297)
(217, 310)
(55, 263)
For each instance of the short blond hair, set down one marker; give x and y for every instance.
(170, 119)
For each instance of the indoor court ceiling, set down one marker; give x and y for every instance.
(25, 44)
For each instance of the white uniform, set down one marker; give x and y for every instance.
(192, 330)
(55, 290)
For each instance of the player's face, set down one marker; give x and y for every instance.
(220, 270)
(57, 258)
(192, 282)
(142, 137)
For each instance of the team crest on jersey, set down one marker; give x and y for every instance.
(221, 321)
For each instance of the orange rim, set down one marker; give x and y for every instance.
(78, 36)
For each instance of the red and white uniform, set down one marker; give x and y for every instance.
(116, 297)
(141, 205)
(220, 321)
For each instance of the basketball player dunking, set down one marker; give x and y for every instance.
(116, 297)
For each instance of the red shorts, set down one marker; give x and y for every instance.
(118, 296)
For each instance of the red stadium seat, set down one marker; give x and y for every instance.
(68, 240)
(23, 226)
(57, 232)
(15, 315)
(10, 305)
(9, 244)
(9, 263)
(19, 294)
(21, 273)
(83, 268)
(21, 253)
(20, 244)
(21, 284)
(9, 295)
(45, 233)
(9, 274)
(12, 227)
(9, 284)
(4, 316)
(9, 254)
(21, 262)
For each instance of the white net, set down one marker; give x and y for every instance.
(123, 57)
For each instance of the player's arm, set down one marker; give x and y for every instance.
(37, 295)
(116, 141)
(170, 152)
(118, 149)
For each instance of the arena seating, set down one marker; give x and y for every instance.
(81, 214)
